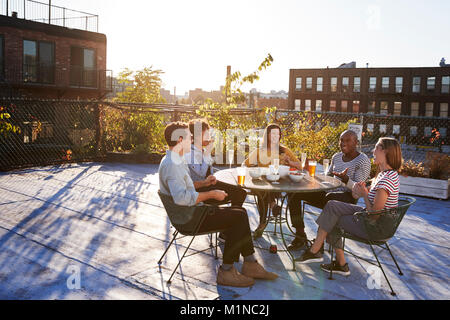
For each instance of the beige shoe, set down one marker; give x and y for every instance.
(256, 271)
(233, 278)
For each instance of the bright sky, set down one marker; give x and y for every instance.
(193, 41)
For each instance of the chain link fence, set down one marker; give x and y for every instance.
(42, 132)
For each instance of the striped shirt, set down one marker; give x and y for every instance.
(389, 181)
(358, 168)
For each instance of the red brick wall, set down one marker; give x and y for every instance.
(13, 46)
(272, 102)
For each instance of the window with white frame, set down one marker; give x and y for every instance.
(309, 83)
(372, 84)
(396, 129)
(399, 84)
(445, 88)
(429, 106)
(385, 84)
(397, 108)
(333, 84)
(427, 131)
(318, 105)
(307, 105)
(416, 85)
(356, 84)
(298, 84)
(383, 128)
(297, 104)
(413, 131)
(319, 84)
(384, 105)
(431, 83)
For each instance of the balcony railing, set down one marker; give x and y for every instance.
(50, 75)
(51, 14)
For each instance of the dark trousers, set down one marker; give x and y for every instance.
(317, 199)
(263, 201)
(234, 221)
(236, 195)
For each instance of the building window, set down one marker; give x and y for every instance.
(333, 105)
(38, 61)
(319, 84)
(371, 107)
(416, 85)
(383, 128)
(395, 129)
(356, 104)
(318, 105)
(399, 84)
(297, 104)
(309, 83)
(83, 71)
(415, 109)
(1, 56)
(385, 84)
(384, 107)
(307, 105)
(443, 110)
(345, 84)
(445, 84)
(413, 131)
(397, 108)
(372, 84)
(356, 84)
(370, 127)
(429, 106)
(427, 131)
(443, 132)
(431, 83)
(344, 105)
(298, 84)
(333, 84)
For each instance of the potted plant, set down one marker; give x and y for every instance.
(430, 179)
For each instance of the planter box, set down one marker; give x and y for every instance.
(425, 187)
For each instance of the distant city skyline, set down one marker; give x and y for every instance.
(194, 41)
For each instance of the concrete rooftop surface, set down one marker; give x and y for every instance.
(97, 230)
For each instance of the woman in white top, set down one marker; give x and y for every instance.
(382, 194)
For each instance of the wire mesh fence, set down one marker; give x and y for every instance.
(40, 132)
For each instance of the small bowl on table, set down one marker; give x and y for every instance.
(296, 176)
(255, 173)
(273, 177)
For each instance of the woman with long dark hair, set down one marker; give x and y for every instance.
(270, 150)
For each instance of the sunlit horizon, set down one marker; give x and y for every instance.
(194, 41)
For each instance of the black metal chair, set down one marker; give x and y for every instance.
(379, 232)
(200, 213)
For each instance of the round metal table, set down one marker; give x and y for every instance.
(263, 188)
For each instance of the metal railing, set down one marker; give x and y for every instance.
(54, 131)
(51, 75)
(48, 13)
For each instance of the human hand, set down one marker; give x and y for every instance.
(210, 181)
(219, 195)
(359, 189)
(342, 175)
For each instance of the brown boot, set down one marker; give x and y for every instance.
(256, 271)
(233, 278)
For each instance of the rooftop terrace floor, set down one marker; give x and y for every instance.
(106, 224)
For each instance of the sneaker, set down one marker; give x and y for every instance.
(300, 242)
(342, 270)
(256, 271)
(222, 238)
(232, 278)
(309, 257)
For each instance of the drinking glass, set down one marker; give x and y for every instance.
(312, 168)
(276, 165)
(231, 157)
(241, 173)
(304, 157)
(326, 166)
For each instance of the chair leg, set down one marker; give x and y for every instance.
(381, 267)
(216, 256)
(395, 261)
(179, 262)
(167, 249)
(331, 259)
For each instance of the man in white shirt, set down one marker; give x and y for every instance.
(174, 181)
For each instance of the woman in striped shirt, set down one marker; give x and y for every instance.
(383, 194)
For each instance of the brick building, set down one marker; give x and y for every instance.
(279, 103)
(43, 60)
(414, 99)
